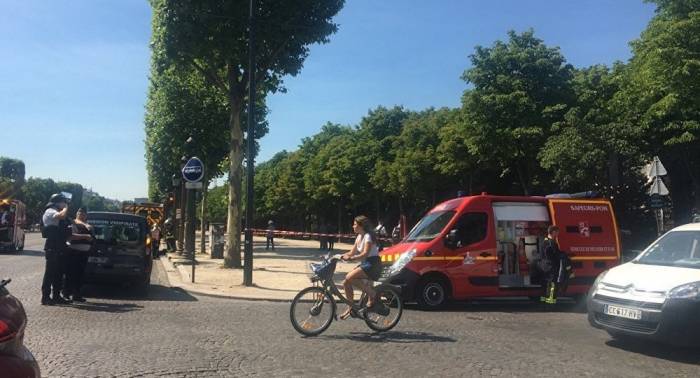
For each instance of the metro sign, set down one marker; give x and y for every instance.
(193, 171)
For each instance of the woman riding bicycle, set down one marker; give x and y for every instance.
(365, 249)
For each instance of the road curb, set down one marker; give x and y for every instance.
(175, 279)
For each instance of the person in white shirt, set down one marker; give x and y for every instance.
(365, 249)
(55, 230)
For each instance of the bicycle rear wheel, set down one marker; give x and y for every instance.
(312, 311)
(387, 314)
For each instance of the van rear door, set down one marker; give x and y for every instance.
(588, 234)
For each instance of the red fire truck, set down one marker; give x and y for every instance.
(12, 223)
(488, 245)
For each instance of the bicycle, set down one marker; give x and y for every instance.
(314, 308)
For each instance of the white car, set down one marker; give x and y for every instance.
(656, 295)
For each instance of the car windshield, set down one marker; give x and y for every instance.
(117, 232)
(430, 226)
(677, 248)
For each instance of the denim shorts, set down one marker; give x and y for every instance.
(372, 266)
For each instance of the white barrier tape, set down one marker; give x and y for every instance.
(307, 234)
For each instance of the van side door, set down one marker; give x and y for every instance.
(472, 261)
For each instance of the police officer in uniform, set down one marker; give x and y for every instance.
(56, 231)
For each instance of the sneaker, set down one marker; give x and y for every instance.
(61, 301)
(379, 308)
(47, 302)
(78, 298)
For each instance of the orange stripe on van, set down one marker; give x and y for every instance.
(431, 258)
(486, 258)
(584, 258)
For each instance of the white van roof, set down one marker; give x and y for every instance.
(688, 227)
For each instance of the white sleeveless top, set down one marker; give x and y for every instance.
(360, 242)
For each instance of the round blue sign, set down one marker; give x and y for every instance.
(193, 171)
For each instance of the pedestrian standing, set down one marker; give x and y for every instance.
(331, 238)
(270, 235)
(81, 243)
(323, 230)
(55, 230)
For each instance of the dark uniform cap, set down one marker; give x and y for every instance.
(57, 198)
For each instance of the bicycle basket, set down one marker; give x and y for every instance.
(324, 269)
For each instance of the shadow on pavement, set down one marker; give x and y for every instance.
(116, 308)
(26, 252)
(687, 355)
(392, 337)
(515, 306)
(155, 293)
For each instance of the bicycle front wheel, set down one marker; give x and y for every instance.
(312, 311)
(387, 313)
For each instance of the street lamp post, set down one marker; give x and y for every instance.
(181, 207)
(176, 202)
(248, 251)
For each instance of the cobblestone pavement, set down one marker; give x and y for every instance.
(171, 333)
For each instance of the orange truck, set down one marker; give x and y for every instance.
(488, 245)
(153, 212)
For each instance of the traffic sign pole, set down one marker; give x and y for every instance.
(192, 172)
(658, 191)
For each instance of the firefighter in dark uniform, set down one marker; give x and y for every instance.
(551, 265)
(56, 231)
(170, 235)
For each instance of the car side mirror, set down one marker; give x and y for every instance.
(452, 239)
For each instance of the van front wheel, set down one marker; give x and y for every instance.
(432, 293)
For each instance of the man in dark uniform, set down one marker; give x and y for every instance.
(170, 235)
(552, 257)
(55, 230)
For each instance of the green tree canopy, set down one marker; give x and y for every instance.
(11, 177)
(661, 95)
(520, 88)
(211, 37)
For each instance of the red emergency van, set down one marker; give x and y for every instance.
(487, 246)
(12, 223)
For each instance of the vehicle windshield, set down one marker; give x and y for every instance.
(430, 226)
(117, 232)
(677, 248)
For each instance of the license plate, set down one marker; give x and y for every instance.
(623, 312)
(97, 260)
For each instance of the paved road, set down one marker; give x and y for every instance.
(171, 333)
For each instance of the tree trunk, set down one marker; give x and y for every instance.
(521, 178)
(232, 259)
(679, 186)
(202, 230)
(614, 169)
(340, 216)
(376, 207)
(691, 162)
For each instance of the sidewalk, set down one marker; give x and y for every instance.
(277, 275)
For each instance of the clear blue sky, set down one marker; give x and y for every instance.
(74, 73)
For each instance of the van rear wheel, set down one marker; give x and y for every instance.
(432, 293)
